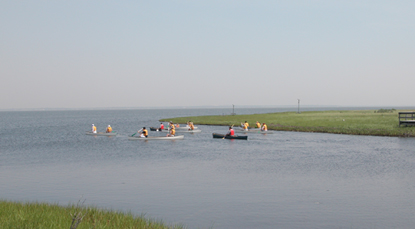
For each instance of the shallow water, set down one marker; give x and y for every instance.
(280, 180)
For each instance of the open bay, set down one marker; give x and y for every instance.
(280, 180)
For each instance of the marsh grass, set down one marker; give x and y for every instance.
(358, 122)
(43, 215)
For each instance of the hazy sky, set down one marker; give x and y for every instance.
(93, 54)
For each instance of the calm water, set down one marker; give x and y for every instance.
(280, 180)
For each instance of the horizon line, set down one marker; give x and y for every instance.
(191, 107)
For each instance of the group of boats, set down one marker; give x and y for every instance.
(185, 130)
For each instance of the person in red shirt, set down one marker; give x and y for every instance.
(231, 132)
(161, 126)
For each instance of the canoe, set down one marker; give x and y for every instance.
(184, 128)
(188, 131)
(101, 133)
(254, 131)
(177, 137)
(215, 135)
(156, 129)
(249, 130)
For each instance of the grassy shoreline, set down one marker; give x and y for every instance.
(354, 122)
(43, 215)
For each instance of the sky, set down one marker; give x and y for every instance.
(98, 54)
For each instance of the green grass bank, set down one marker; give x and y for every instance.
(43, 215)
(355, 122)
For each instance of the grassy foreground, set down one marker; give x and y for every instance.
(42, 215)
(358, 122)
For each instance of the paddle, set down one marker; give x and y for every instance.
(136, 132)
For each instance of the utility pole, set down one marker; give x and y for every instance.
(233, 109)
(298, 106)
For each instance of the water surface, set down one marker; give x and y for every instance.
(280, 180)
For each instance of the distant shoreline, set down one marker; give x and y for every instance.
(351, 122)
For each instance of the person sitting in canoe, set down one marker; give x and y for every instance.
(144, 133)
(161, 126)
(231, 132)
(191, 126)
(258, 125)
(94, 129)
(171, 133)
(171, 125)
(264, 127)
(109, 129)
(245, 126)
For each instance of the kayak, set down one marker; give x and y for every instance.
(101, 133)
(215, 135)
(177, 137)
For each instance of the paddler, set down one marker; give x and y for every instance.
(191, 126)
(94, 129)
(109, 129)
(246, 126)
(161, 126)
(231, 132)
(144, 133)
(258, 125)
(264, 127)
(172, 132)
(171, 125)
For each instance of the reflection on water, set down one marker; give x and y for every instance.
(280, 180)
